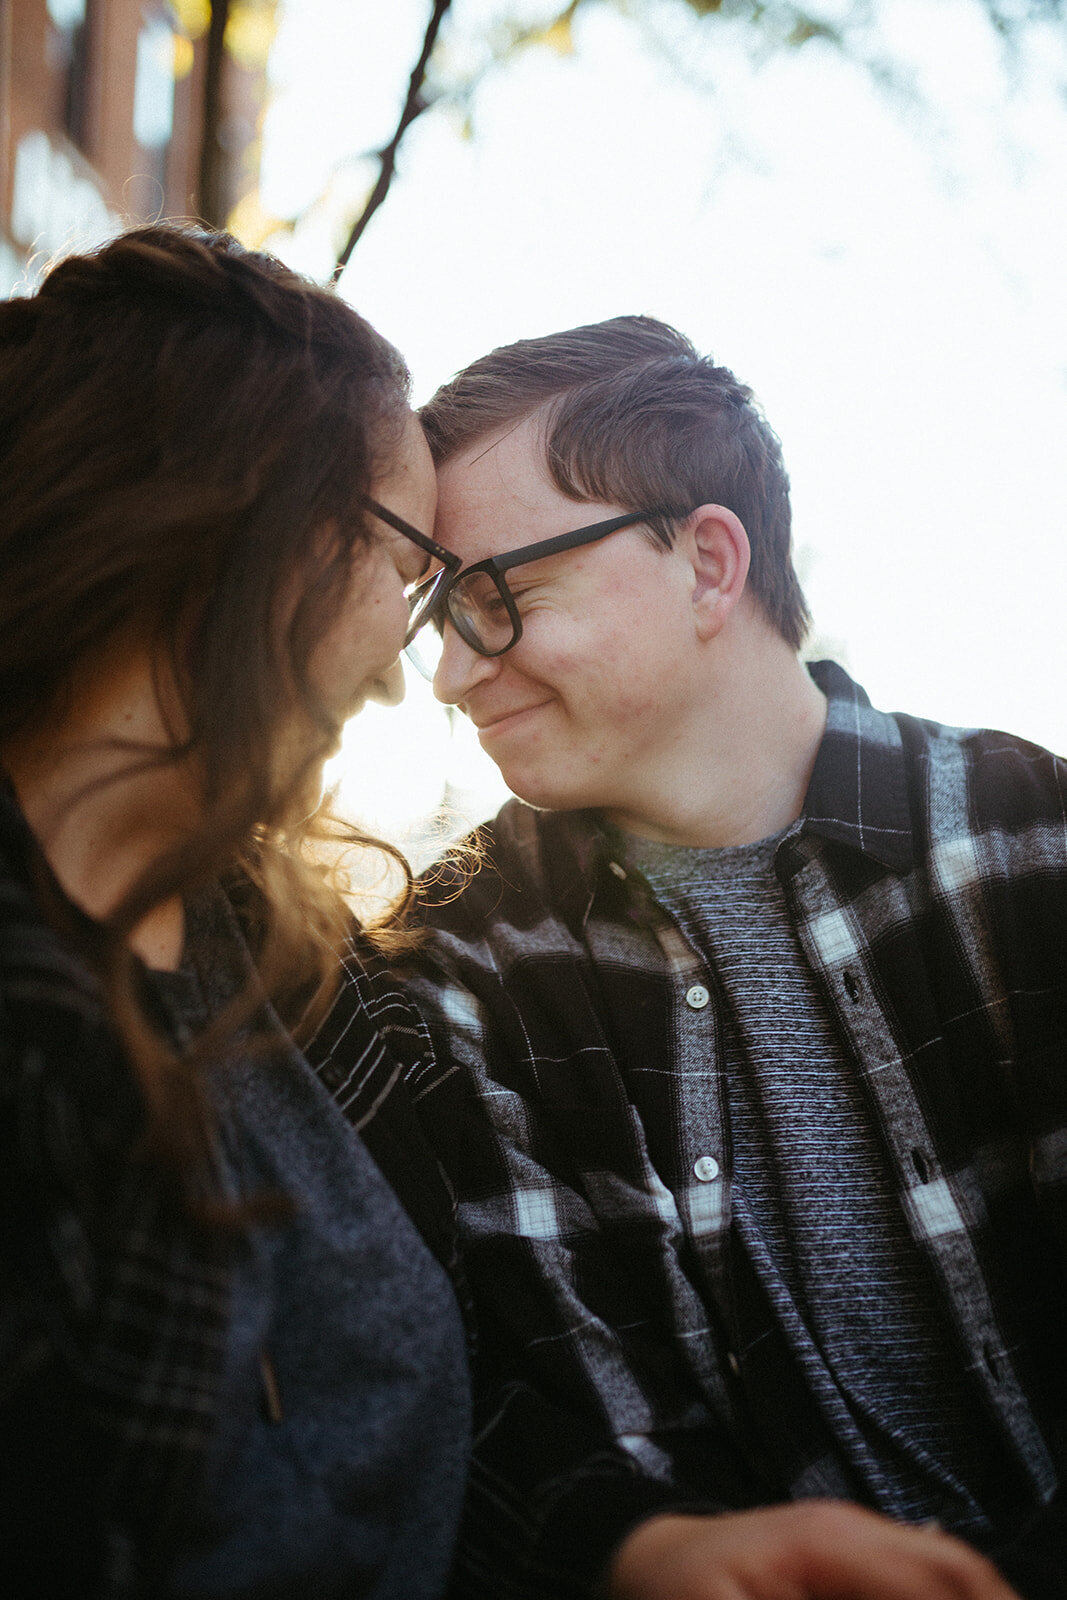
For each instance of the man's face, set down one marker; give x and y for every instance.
(587, 708)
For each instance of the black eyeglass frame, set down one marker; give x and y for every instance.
(497, 566)
(428, 595)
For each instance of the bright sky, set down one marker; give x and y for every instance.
(887, 273)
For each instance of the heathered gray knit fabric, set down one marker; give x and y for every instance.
(812, 1200)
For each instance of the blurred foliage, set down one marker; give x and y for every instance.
(250, 31)
(455, 62)
(192, 17)
(770, 20)
(461, 62)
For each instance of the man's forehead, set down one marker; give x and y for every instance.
(493, 491)
(507, 458)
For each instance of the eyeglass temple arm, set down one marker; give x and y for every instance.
(570, 541)
(448, 558)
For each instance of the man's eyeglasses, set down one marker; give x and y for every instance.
(482, 608)
(427, 594)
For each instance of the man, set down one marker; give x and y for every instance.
(760, 1133)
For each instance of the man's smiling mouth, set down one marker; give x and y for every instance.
(496, 723)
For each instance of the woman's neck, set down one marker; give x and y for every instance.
(103, 801)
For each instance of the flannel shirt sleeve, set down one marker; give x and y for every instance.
(1034, 1557)
(46, 1265)
(584, 1425)
(1026, 887)
(370, 1052)
(114, 1312)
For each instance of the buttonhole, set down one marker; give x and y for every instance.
(991, 1362)
(852, 988)
(918, 1161)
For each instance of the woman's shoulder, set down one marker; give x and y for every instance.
(50, 999)
(68, 1105)
(38, 967)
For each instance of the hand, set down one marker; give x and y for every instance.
(809, 1550)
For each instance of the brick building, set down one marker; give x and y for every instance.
(102, 117)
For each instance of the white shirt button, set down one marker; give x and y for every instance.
(706, 1169)
(733, 1363)
(697, 997)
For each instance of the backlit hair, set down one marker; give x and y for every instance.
(187, 430)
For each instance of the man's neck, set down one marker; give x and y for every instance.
(743, 769)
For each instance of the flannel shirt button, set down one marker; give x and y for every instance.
(620, 872)
(706, 1169)
(697, 997)
(733, 1363)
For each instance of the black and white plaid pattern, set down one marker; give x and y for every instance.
(928, 886)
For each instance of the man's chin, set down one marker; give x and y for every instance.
(540, 790)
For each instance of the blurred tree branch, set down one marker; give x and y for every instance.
(414, 105)
(773, 25)
(210, 201)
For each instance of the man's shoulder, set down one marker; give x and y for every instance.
(1010, 781)
(919, 776)
(507, 868)
(511, 898)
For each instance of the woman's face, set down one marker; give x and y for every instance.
(358, 659)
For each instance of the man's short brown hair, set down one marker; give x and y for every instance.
(635, 417)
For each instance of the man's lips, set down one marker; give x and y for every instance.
(499, 721)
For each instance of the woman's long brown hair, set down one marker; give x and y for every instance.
(180, 420)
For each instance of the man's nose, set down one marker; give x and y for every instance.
(460, 668)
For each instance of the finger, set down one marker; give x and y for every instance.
(859, 1556)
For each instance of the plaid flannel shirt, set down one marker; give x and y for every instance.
(928, 885)
(114, 1305)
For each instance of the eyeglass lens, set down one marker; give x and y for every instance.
(477, 609)
(424, 651)
(422, 598)
(478, 612)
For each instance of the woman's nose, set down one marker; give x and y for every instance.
(388, 688)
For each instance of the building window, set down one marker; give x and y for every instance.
(153, 90)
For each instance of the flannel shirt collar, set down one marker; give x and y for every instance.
(858, 790)
(857, 796)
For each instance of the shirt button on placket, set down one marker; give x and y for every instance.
(697, 997)
(706, 1168)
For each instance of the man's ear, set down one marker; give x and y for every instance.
(719, 550)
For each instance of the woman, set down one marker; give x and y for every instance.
(230, 1365)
